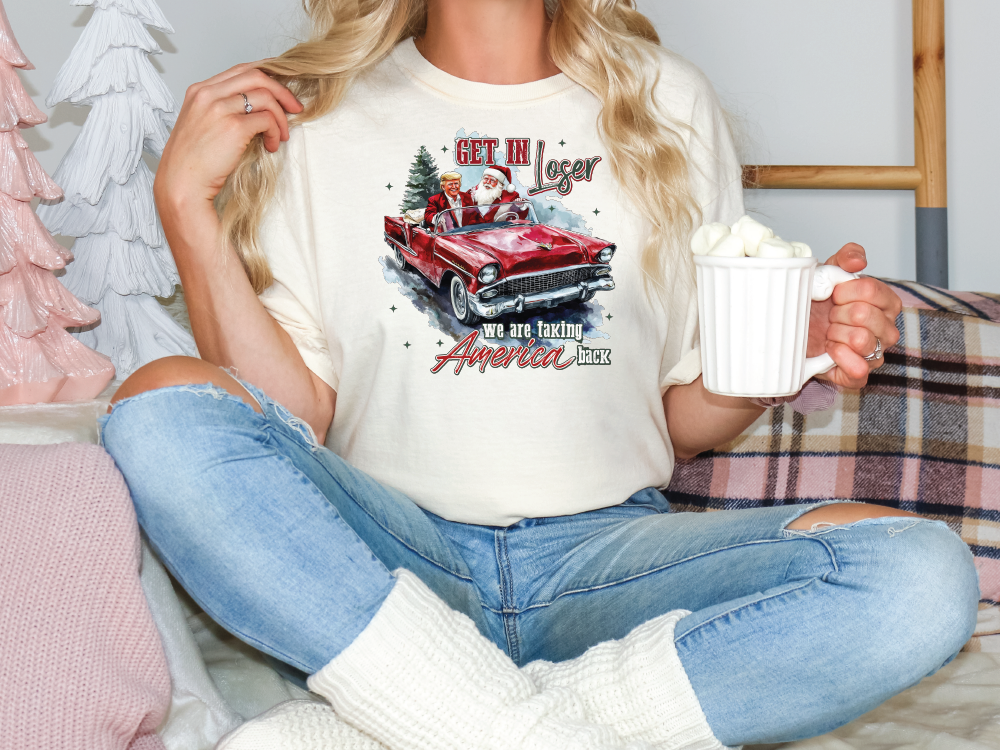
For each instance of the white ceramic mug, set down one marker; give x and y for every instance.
(754, 320)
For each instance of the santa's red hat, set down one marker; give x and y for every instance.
(501, 174)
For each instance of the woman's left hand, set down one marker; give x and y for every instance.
(846, 325)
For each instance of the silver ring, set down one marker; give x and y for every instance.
(247, 106)
(877, 354)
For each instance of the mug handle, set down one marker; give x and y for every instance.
(824, 280)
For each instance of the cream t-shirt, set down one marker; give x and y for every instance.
(562, 413)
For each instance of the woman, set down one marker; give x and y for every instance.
(512, 500)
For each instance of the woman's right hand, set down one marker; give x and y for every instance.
(213, 130)
(229, 322)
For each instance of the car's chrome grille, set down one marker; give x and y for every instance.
(542, 282)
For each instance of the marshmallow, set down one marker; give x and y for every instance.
(752, 232)
(802, 250)
(747, 237)
(775, 248)
(707, 236)
(730, 246)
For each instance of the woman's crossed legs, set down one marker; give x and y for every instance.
(792, 633)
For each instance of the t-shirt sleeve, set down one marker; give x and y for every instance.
(715, 181)
(293, 298)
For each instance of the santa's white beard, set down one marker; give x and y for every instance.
(486, 196)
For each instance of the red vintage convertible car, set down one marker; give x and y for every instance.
(511, 264)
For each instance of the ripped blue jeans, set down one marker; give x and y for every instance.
(791, 633)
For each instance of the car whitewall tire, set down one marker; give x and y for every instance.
(397, 255)
(460, 302)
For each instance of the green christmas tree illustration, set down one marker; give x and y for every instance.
(423, 182)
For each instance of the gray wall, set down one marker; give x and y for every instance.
(807, 81)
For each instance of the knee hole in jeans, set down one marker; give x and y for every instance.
(836, 514)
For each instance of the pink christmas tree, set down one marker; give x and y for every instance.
(39, 360)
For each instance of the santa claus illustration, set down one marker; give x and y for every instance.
(494, 188)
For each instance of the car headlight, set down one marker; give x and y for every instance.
(489, 274)
(606, 254)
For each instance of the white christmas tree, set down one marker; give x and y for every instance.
(39, 361)
(122, 258)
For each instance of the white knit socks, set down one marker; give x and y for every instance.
(421, 677)
(636, 685)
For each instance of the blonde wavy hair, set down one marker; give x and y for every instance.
(606, 46)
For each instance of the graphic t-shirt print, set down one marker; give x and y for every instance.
(506, 272)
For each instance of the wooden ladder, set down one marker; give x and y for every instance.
(928, 175)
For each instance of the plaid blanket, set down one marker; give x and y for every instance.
(923, 436)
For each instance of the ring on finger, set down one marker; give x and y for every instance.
(877, 354)
(247, 106)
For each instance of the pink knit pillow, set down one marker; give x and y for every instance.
(82, 664)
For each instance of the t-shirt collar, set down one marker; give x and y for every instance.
(408, 58)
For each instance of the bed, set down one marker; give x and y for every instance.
(924, 436)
